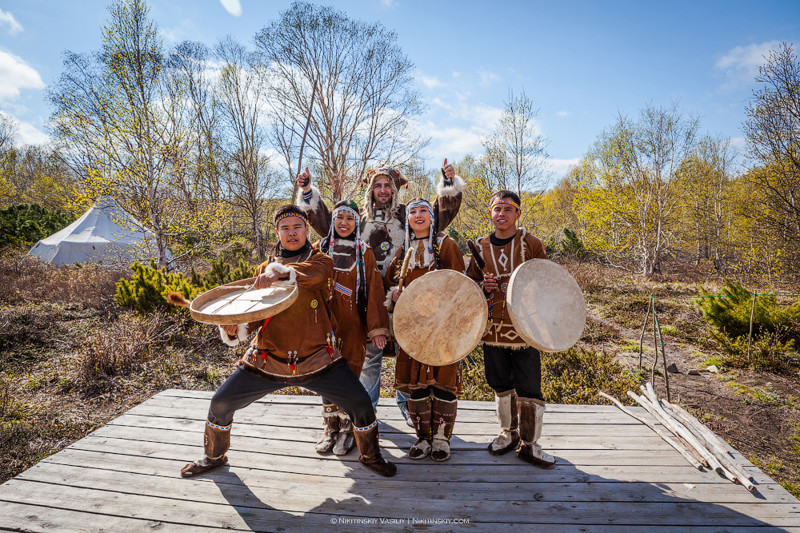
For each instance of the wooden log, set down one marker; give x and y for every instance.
(678, 429)
(697, 442)
(680, 449)
(712, 443)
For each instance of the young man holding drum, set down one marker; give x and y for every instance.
(293, 347)
(513, 368)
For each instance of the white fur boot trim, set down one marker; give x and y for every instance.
(420, 449)
(503, 440)
(442, 445)
(345, 440)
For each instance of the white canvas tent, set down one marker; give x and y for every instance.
(105, 233)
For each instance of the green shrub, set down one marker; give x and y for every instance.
(25, 224)
(147, 291)
(576, 375)
(776, 328)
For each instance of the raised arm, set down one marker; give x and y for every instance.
(311, 202)
(449, 192)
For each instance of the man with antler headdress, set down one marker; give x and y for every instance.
(383, 220)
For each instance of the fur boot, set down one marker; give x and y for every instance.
(420, 414)
(531, 414)
(330, 414)
(444, 418)
(507, 415)
(344, 439)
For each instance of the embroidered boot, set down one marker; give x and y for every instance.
(507, 414)
(420, 415)
(330, 414)
(444, 417)
(344, 439)
(367, 441)
(216, 440)
(531, 414)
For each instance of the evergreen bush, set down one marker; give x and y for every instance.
(24, 224)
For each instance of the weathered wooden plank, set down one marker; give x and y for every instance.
(273, 487)
(463, 452)
(264, 415)
(390, 402)
(227, 512)
(514, 471)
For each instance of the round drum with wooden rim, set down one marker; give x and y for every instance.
(440, 317)
(239, 303)
(546, 305)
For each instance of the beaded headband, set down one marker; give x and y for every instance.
(507, 201)
(290, 214)
(345, 209)
(418, 203)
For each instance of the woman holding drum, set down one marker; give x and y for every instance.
(513, 367)
(432, 405)
(295, 347)
(356, 300)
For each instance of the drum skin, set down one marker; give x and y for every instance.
(546, 305)
(234, 303)
(440, 317)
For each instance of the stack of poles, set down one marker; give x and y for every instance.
(700, 446)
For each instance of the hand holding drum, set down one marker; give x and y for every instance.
(546, 305)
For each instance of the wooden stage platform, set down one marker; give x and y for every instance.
(613, 475)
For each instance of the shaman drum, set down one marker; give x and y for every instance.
(440, 317)
(546, 305)
(239, 303)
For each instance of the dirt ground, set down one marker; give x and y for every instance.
(756, 412)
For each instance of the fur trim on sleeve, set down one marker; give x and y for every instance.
(277, 268)
(388, 301)
(455, 188)
(241, 335)
(313, 203)
(378, 332)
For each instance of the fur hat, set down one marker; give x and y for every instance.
(396, 180)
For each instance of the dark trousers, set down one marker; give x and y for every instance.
(339, 384)
(517, 369)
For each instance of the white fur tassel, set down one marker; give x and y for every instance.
(277, 268)
(241, 335)
(457, 187)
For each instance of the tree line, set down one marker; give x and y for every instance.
(201, 141)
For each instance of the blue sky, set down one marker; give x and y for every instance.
(582, 62)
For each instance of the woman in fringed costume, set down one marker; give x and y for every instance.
(356, 302)
(433, 389)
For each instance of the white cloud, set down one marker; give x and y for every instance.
(232, 6)
(742, 62)
(454, 143)
(431, 82)
(388, 3)
(488, 77)
(16, 75)
(560, 167)
(184, 30)
(27, 134)
(563, 113)
(7, 19)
